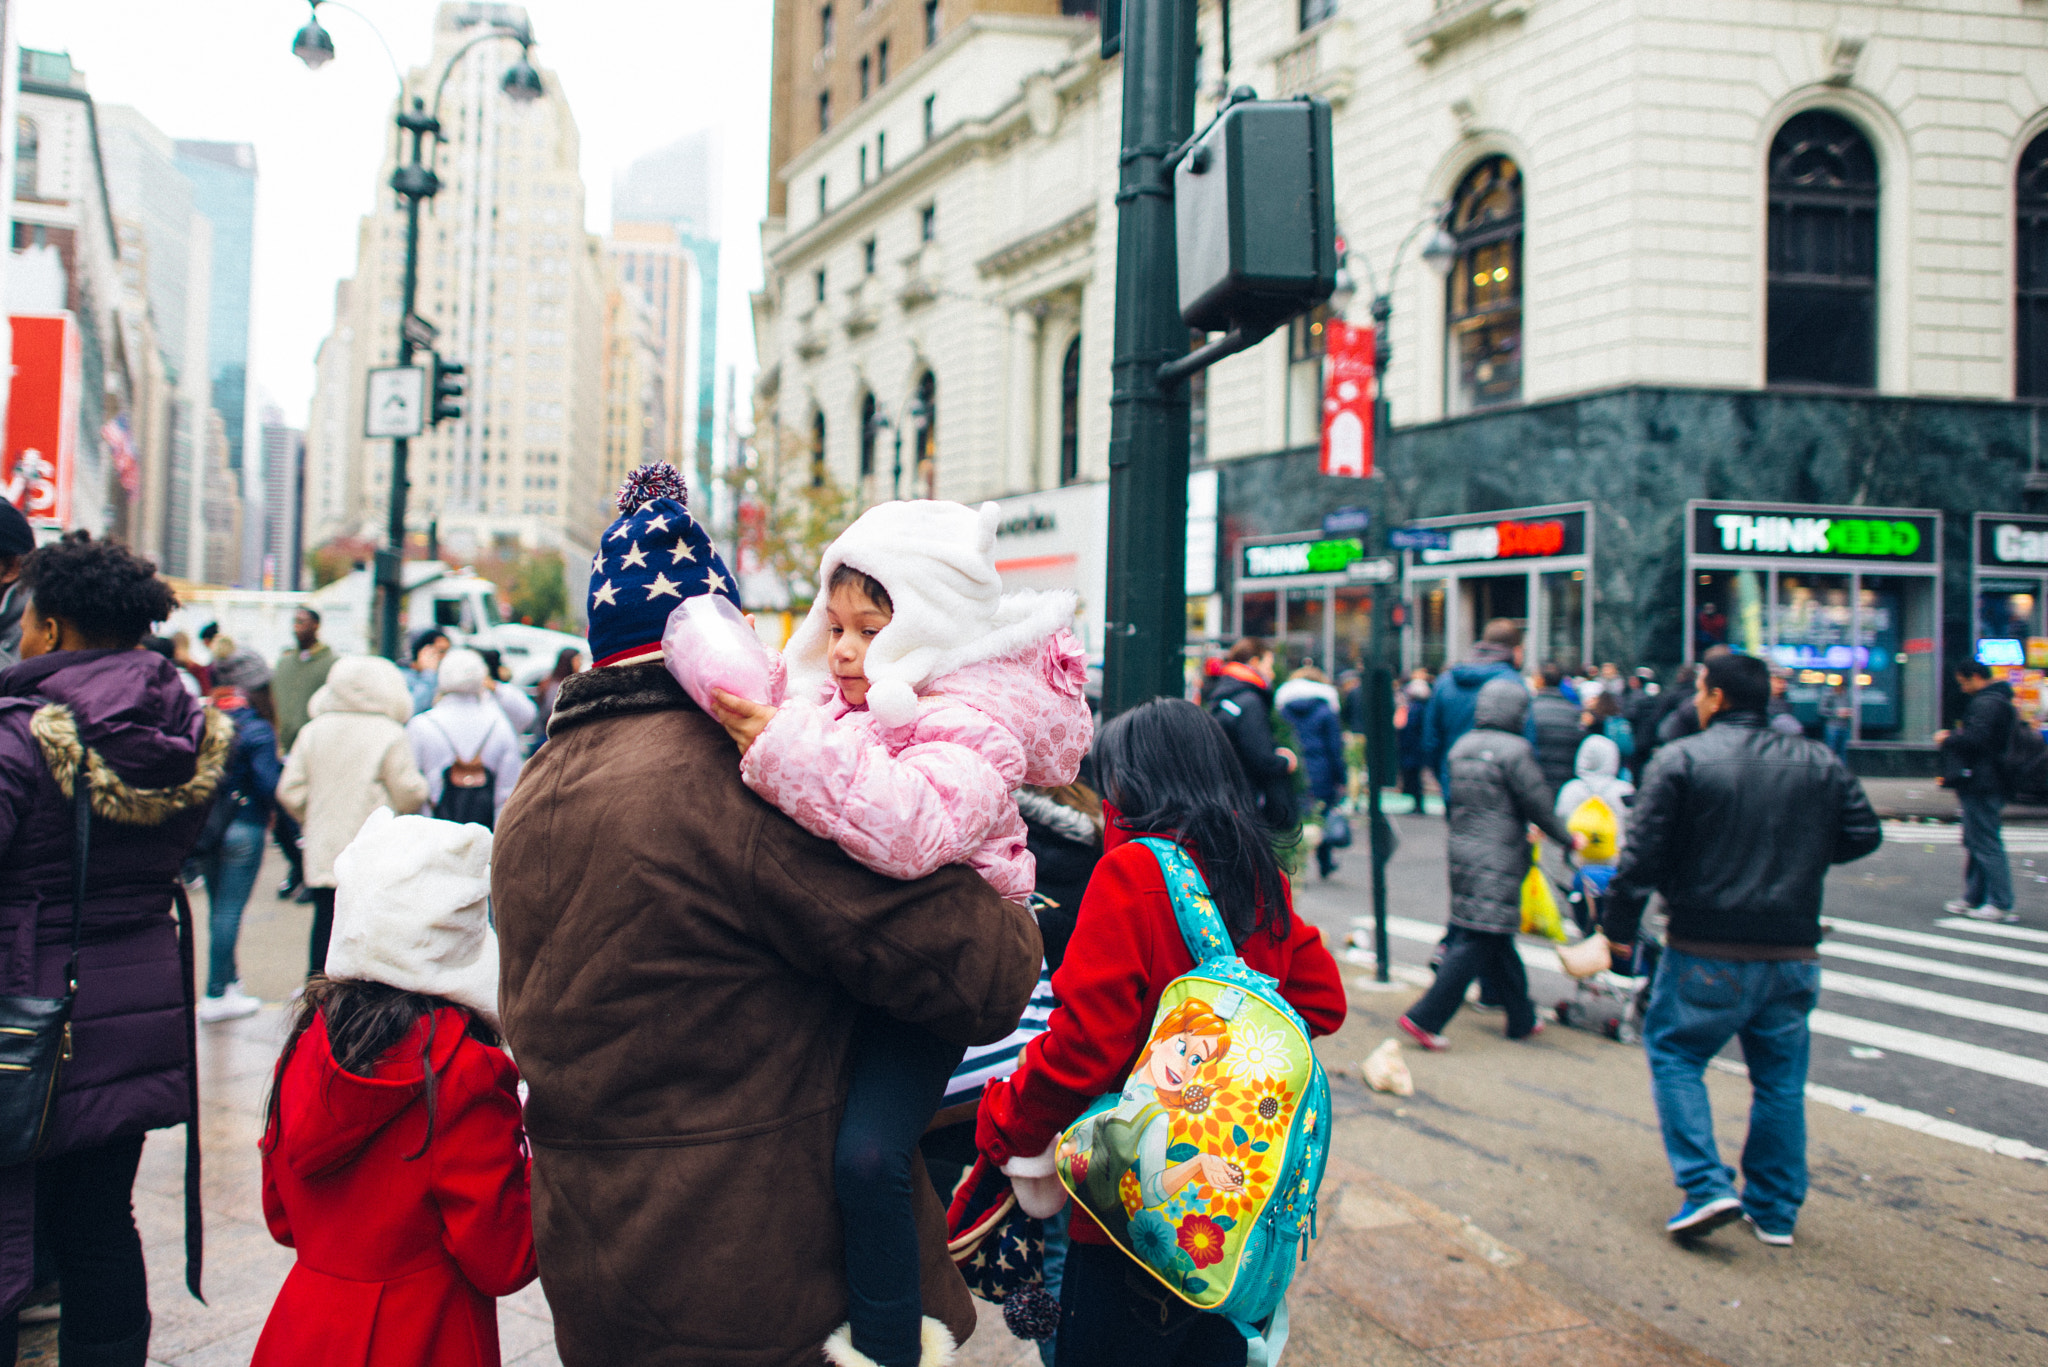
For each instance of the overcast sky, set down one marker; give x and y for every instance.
(638, 73)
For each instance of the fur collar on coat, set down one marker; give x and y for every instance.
(113, 798)
(616, 691)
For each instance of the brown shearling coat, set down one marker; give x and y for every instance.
(681, 969)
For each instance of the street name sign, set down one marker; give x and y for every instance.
(396, 402)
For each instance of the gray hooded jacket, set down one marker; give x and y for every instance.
(1499, 792)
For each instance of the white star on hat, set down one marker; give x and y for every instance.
(681, 552)
(713, 581)
(663, 585)
(620, 530)
(635, 558)
(597, 563)
(657, 523)
(605, 594)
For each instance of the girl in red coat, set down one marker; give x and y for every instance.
(394, 1159)
(1166, 769)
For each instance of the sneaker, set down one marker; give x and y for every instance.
(1435, 1044)
(1988, 912)
(288, 887)
(1534, 1031)
(1696, 1219)
(230, 1005)
(1958, 906)
(1764, 1236)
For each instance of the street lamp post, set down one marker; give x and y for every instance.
(1439, 251)
(414, 181)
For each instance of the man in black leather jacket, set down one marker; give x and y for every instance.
(1736, 826)
(1972, 769)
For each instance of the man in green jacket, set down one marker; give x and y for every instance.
(301, 671)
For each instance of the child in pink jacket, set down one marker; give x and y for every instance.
(921, 698)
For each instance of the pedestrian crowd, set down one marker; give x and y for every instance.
(761, 1005)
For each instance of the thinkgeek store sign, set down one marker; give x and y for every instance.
(1813, 534)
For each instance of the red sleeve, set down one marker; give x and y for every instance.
(1314, 985)
(480, 1171)
(273, 1208)
(1107, 987)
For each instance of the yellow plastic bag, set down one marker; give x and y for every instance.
(1594, 819)
(1539, 901)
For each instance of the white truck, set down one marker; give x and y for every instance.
(458, 601)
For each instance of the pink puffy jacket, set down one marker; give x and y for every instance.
(911, 800)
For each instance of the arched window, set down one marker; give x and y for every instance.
(1822, 311)
(1070, 413)
(1483, 311)
(27, 143)
(818, 449)
(2031, 277)
(925, 414)
(867, 434)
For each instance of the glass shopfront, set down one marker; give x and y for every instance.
(2010, 574)
(1309, 594)
(1530, 565)
(1848, 599)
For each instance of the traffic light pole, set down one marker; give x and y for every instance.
(414, 182)
(1148, 432)
(1381, 663)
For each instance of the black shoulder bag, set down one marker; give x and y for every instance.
(35, 1032)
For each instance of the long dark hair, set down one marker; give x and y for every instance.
(365, 1021)
(1169, 769)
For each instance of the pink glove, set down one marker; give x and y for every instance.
(708, 645)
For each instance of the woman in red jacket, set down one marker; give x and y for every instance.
(394, 1159)
(1166, 769)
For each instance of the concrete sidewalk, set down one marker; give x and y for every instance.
(1919, 799)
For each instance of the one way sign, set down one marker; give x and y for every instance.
(397, 402)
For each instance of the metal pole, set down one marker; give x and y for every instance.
(1148, 433)
(1379, 679)
(413, 182)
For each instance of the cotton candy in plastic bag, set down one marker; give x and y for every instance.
(708, 646)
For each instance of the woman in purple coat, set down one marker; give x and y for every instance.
(84, 693)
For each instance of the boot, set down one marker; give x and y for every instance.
(132, 1351)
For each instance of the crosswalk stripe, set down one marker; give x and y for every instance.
(1913, 963)
(1900, 1040)
(2039, 937)
(1918, 1121)
(2029, 838)
(1925, 941)
(1920, 999)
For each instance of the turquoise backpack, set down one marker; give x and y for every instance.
(1205, 1167)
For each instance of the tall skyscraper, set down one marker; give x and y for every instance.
(284, 457)
(650, 261)
(223, 178)
(680, 185)
(512, 281)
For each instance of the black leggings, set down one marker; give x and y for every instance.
(1490, 957)
(899, 1076)
(85, 1216)
(323, 929)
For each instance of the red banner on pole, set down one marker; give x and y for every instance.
(1348, 396)
(42, 418)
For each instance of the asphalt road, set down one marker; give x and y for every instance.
(1942, 1016)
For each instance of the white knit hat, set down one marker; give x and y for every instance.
(937, 560)
(409, 910)
(462, 671)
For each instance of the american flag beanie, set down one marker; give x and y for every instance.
(648, 561)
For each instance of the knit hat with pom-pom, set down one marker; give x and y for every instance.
(647, 562)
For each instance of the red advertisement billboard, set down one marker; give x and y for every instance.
(1348, 396)
(42, 418)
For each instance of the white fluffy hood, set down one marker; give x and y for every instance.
(410, 899)
(364, 683)
(937, 560)
(1303, 690)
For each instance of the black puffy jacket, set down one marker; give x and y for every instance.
(1972, 758)
(1246, 712)
(1553, 729)
(1737, 826)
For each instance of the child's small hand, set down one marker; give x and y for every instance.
(742, 718)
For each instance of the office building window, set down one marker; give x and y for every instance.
(818, 449)
(818, 285)
(1070, 413)
(862, 161)
(864, 68)
(882, 62)
(821, 196)
(2031, 336)
(881, 153)
(926, 415)
(930, 118)
(931, 22)
(1483, 304)
(824, 111)
(1313, 12)
(28, 143)
(867, 257)
(825, 28)
(867, 434)
(1821, 324)
(928, 223)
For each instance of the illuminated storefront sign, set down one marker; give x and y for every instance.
(1530, 538)
(1327, 555)
(1822, 533)
(2013, 541)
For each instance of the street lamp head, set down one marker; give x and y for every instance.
(1441, 250)
(312, 45)
(1343, 292)
(522, 82)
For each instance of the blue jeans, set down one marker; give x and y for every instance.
(230, 872)
(1696, 1006)
(1987, 877)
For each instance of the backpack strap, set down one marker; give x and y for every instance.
(1201, 925)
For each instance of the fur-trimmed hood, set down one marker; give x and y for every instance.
(152, 751)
